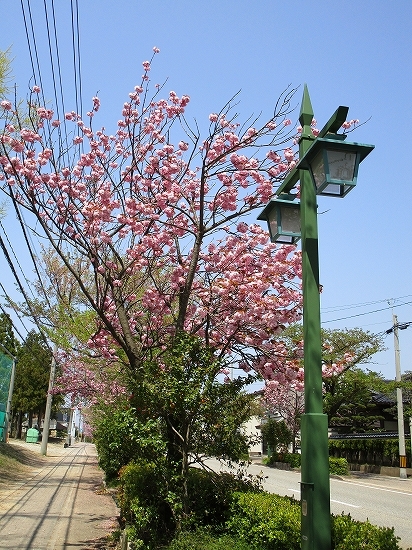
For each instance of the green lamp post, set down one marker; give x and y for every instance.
(328, 165)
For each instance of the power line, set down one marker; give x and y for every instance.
(5, 313)
(332, 309)
(76, 57)
(365, 313)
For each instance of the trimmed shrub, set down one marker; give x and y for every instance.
(143, 504)
(265, 521)
(338, 466)
(290, 458)
(380, 452)
(203, 539)
(348, 533)
(120, 437)
(211, 496)
(271, 522)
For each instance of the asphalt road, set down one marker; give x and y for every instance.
(61, 505)
(383, 500)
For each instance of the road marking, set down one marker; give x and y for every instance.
(345, 503)
(337, 501)
(377, 488)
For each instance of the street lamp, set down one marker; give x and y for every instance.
(283, 217)
(334, 164)
(328, 166)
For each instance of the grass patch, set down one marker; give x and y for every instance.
(16, 462)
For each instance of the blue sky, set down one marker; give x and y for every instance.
(352, 52)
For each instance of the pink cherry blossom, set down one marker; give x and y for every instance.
(155, 215)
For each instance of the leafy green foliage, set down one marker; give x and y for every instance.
(338, 466)
(277, 435)
(200, 414)
(272, 522)
(369, 451)
(293, 459)
(121, 437)
(204, 539)
(177, 416)
(228, 511)
(32, 377)
(211, 495)
(265, 521)
(5, 73)
(348, 533)
(144, 503)
(348, 400)
(10, 344)
(347, 393)
(148, 505)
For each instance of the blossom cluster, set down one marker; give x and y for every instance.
(162, 225)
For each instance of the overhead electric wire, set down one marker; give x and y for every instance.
(59, 104)
(26, 237)
(53, 72)
(37, 77)
(332, 309)
(60, 73)
(76, 58)
(28, 41)
(22, 290)
(14, 254)
(365, 313)
(16, 312)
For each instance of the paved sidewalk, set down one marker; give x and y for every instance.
(61, 505)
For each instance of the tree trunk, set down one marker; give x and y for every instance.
(19, 425)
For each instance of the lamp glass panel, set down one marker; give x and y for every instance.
(341, 165)
(273, 223)
(284, 239)
(334, 190)
(318, 169)
(290, 219)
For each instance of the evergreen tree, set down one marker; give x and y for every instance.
(32, 379)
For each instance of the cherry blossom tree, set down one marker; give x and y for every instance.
(342, 353)
(151, 224)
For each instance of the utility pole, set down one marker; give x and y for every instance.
(401, 428)
(46, 423)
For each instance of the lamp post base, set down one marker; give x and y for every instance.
(315, 487)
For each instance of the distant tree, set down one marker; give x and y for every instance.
(32, 379)
(347, 388)
(349, 403)
(5, 72)
(277, 435)
(389, 390)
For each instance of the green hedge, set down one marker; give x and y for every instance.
(203, 539)
(265, 521)
(348, 533)
(337, 466)
(382, 452)
(228, 513)
(270, 522)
